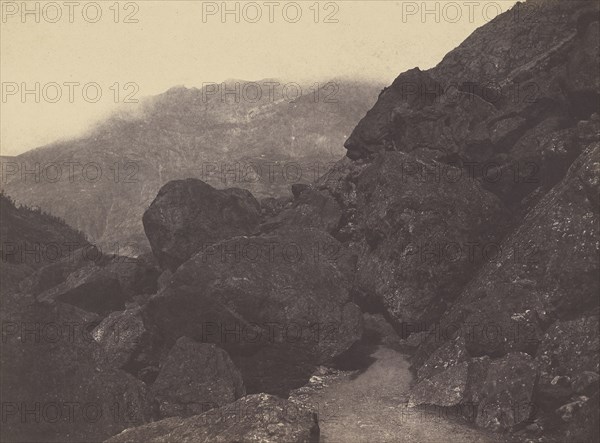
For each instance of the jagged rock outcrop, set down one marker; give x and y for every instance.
(189, 215)
(466, 212)
(419, 228)
(194, 378)
(278, 303)
(545, 280)
(497, 105)
(258, 417)
(514, 109)
(414, 89)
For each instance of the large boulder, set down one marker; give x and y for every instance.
(279, 304)
(424, 228)
(533, 298)
(254, 418)
(544, 271)
(194, 378)
(187, 215)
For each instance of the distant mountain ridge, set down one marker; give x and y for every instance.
(102, 182)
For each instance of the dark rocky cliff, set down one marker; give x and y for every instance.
(465, 215)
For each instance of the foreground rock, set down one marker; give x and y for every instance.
(279, 304)
(188, 215)
(254, 418)
(522, 293)
(194, 378)
(52, 389)
(419, 228)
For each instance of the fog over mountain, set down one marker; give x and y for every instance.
(413, 263)
(261, 136)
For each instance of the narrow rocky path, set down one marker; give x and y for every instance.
(371, 406)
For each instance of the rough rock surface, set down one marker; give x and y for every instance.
(507, 392)
(52, 389)
(254, 418)
(187, 215)
(422, 234)
(310, 209)
(125, 342)
(546, 271)
(546, 277)
(501, 105)
(278, 303)
(513, 111)
(194, 378)
(445, 388)
(569, 358)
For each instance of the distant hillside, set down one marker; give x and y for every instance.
(30, 239)
(258, 138)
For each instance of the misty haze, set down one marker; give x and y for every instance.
(330, 221)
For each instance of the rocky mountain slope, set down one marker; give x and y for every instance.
(31, 239)
(463, 223)
(259, 136)
(493, 289)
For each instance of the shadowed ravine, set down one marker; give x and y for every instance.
(372, 406)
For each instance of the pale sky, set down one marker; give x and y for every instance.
(175, 43)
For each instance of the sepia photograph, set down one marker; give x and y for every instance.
(311, 221)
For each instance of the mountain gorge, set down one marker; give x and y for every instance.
(458, 235)
(262, 136)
